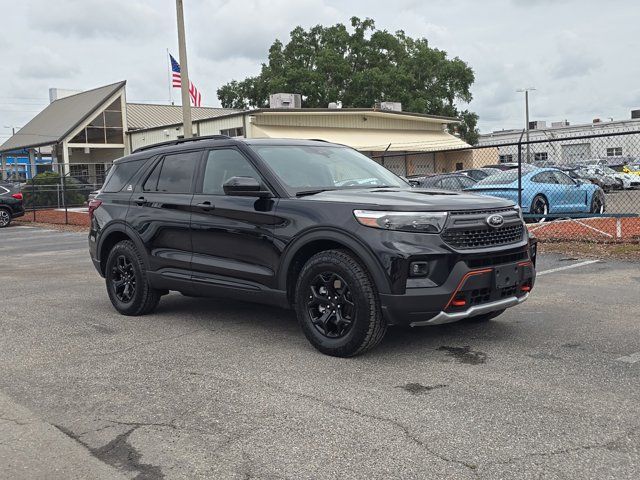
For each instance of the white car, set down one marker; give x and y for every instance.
(627, 180)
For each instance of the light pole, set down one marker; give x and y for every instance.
(184, 73)
(526, 108)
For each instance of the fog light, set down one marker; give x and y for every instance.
(419, 269)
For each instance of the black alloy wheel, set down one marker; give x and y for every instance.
(539, 207)
(128, 286)
(123, 279)
(331, 306)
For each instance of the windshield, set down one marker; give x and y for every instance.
(305, 168)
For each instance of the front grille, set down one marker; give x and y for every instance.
(483, 237)
(483, 212)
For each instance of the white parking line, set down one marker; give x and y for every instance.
(633, 358)
(567, 267)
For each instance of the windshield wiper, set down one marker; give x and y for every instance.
(304, 193)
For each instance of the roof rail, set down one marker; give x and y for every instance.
(181, 140)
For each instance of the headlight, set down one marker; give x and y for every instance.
(422, 222)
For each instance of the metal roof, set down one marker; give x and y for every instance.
(142, 116)
(60, 118)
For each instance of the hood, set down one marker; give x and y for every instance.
(410, 199)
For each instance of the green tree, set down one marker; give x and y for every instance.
(359, 68)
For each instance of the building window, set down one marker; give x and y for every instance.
(459, 166)
(106, 127)
(233, 132)
(614, 152)
(505, 158)
(540, 156)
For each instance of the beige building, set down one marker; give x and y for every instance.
(86, 131)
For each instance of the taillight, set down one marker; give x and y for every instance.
(17, 196)
(93, 204)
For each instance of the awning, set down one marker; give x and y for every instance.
(367, 140)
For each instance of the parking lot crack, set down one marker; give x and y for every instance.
(120, 453)
(15, 421)
(145, 344)
(613, 444)
(389, 421)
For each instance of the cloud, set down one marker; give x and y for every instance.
(42, 60)
(574, 58)
(248, 31)
(87, 19)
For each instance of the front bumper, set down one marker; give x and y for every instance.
(467, 292)
(444, 317)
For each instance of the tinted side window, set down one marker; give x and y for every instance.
(120, 174)
(173, 174)
(466, 182)
(221, 166)
(449, 183)
(562, 179)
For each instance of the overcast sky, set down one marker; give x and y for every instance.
(581, 55)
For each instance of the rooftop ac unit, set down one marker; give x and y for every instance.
(285, 100)
(537, 125)
(635, 114)
(393, 106)
(563, 123)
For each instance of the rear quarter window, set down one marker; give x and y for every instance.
(120, 174)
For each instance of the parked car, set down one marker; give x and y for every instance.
(511, 166)
(479, 173)
(544, 191)
(632, 169)
(265, 220)
(579, 173)
(446, 181)
(11, 203)
(625, 180)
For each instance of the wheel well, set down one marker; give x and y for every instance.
(304, 254)
(107, 244)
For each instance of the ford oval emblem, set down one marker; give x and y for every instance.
(495, 221)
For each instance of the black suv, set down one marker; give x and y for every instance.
(308, 225)
(11, 204)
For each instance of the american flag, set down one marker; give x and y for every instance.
(176, 80)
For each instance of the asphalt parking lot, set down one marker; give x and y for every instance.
(209, 388)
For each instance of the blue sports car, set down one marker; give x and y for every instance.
(544, 191)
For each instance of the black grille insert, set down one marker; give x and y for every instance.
(483, 237)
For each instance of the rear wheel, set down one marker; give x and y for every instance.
(597, 203)
(5, 217)
(337, 305)
(127, 284)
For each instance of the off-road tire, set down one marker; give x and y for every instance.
(145, 298)
(368, 325)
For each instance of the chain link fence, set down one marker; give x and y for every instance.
(61, 193)
(583, 187)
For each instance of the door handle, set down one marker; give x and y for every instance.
(205, 205)
(140, 201)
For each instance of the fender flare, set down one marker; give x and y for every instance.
(120, 227)
(362, 251)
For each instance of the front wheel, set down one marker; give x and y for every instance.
(127, 284)
(337, 305)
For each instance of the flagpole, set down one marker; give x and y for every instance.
(170, 83)
(184, 73)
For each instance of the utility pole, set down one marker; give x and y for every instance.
(184, 73)
(526, 108)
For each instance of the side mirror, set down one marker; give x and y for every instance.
(244, 187)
